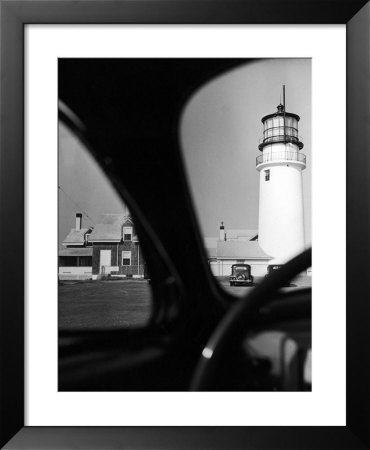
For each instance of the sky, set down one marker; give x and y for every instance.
(220, 130)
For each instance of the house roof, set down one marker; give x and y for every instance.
(76, 237)
(86, 251)
(109, 228)
(240, 250)
(210, 242)
(212, 252)
(235, 234)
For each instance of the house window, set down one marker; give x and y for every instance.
(127, 233)
(68, 261)
(267, 175)
(126, 258)
(85, 261)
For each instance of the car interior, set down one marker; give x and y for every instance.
(200, 337)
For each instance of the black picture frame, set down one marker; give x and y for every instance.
(17, 13)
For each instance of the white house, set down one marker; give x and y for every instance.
(236, 246)
(75, 259)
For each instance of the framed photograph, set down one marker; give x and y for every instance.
(166, 232)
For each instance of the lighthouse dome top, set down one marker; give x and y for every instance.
(280, 112)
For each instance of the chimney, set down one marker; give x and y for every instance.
(222, 232)
(78, 221)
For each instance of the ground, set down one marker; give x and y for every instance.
(104, 304)
(118, 304)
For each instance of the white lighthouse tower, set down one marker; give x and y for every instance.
(281, 218)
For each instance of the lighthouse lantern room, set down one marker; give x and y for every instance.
(281, 215)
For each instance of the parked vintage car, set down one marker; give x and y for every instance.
(241, 275)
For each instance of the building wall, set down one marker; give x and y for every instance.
(75, 273)
(222, 267)
(97, 247)
(281, 217)
(116, 268)
(259, 268)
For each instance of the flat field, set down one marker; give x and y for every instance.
(104, 304)
(88, 305)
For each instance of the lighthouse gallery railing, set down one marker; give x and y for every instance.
(281, 156)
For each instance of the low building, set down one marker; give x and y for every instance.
(110, 248)
(75, 259)
(236, 247)
(116, 248)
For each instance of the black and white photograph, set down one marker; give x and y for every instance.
(184, 224)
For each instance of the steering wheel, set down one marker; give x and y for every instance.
(236, 322)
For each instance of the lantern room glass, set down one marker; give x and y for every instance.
(274, 129)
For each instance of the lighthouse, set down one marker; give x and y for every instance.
(280, 164)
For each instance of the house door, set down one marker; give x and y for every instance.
(105, 261)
